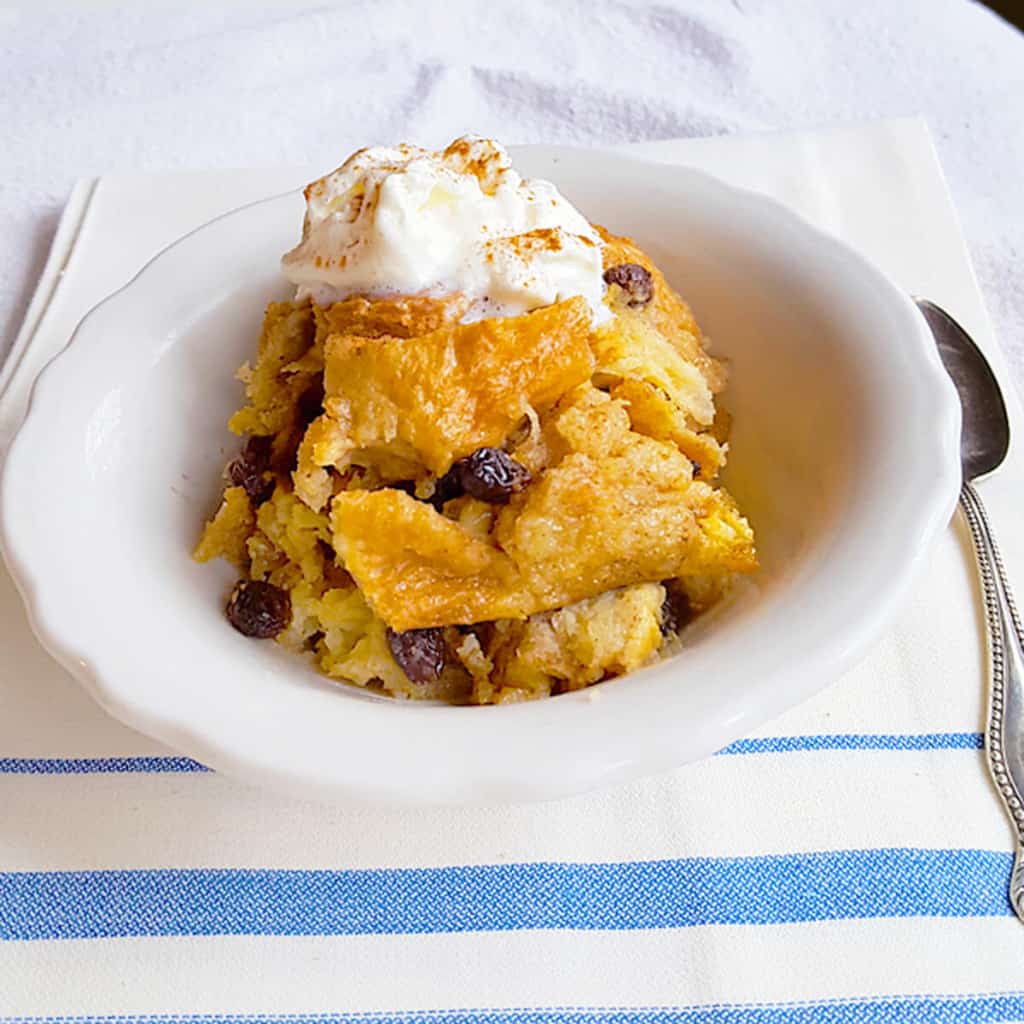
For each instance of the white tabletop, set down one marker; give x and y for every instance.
(146, 88)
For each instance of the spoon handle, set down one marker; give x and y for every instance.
(1004, 737)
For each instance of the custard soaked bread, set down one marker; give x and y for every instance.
(438, 501)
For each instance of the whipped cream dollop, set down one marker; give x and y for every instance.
(403, 220)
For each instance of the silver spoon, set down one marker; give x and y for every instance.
(983, 445)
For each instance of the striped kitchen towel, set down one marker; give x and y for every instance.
(846, 864)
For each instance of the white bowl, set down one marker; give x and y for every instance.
(844, 455)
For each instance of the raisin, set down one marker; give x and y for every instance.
(248, 468)
(634, 280)
(259, 609)
(490, 475)
(676, 610)
(419, 653)
(406, 486)
(446, 488)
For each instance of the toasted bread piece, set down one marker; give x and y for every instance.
(568, 649)
(226, 533)
(618, 508)
(666, 311)
(442, 395)
(402, 316)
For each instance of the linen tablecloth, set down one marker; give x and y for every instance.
(846, 863)
(160, 86)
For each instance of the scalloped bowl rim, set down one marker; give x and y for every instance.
(823, 660)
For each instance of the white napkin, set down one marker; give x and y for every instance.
(847, 863)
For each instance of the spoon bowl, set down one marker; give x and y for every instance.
(985, 435)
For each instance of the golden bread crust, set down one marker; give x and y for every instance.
(555, 584)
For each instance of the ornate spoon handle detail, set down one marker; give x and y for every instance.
(1004, 738)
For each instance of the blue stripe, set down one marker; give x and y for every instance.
(765, 745)
(858, 741)
(645, 894)
(969, 1009)
(96, 765)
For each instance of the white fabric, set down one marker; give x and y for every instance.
(942, 944)
(146, 88)
(149, 87)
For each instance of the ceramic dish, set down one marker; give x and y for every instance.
(844, 456)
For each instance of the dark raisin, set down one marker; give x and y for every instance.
(676, 610)
(419, 653)
(446, 488)
(696, 468)
(491, 475)
(634, 280)
(407, 486)
(259, 609)
(248, 469)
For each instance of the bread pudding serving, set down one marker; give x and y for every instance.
(480, 444)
